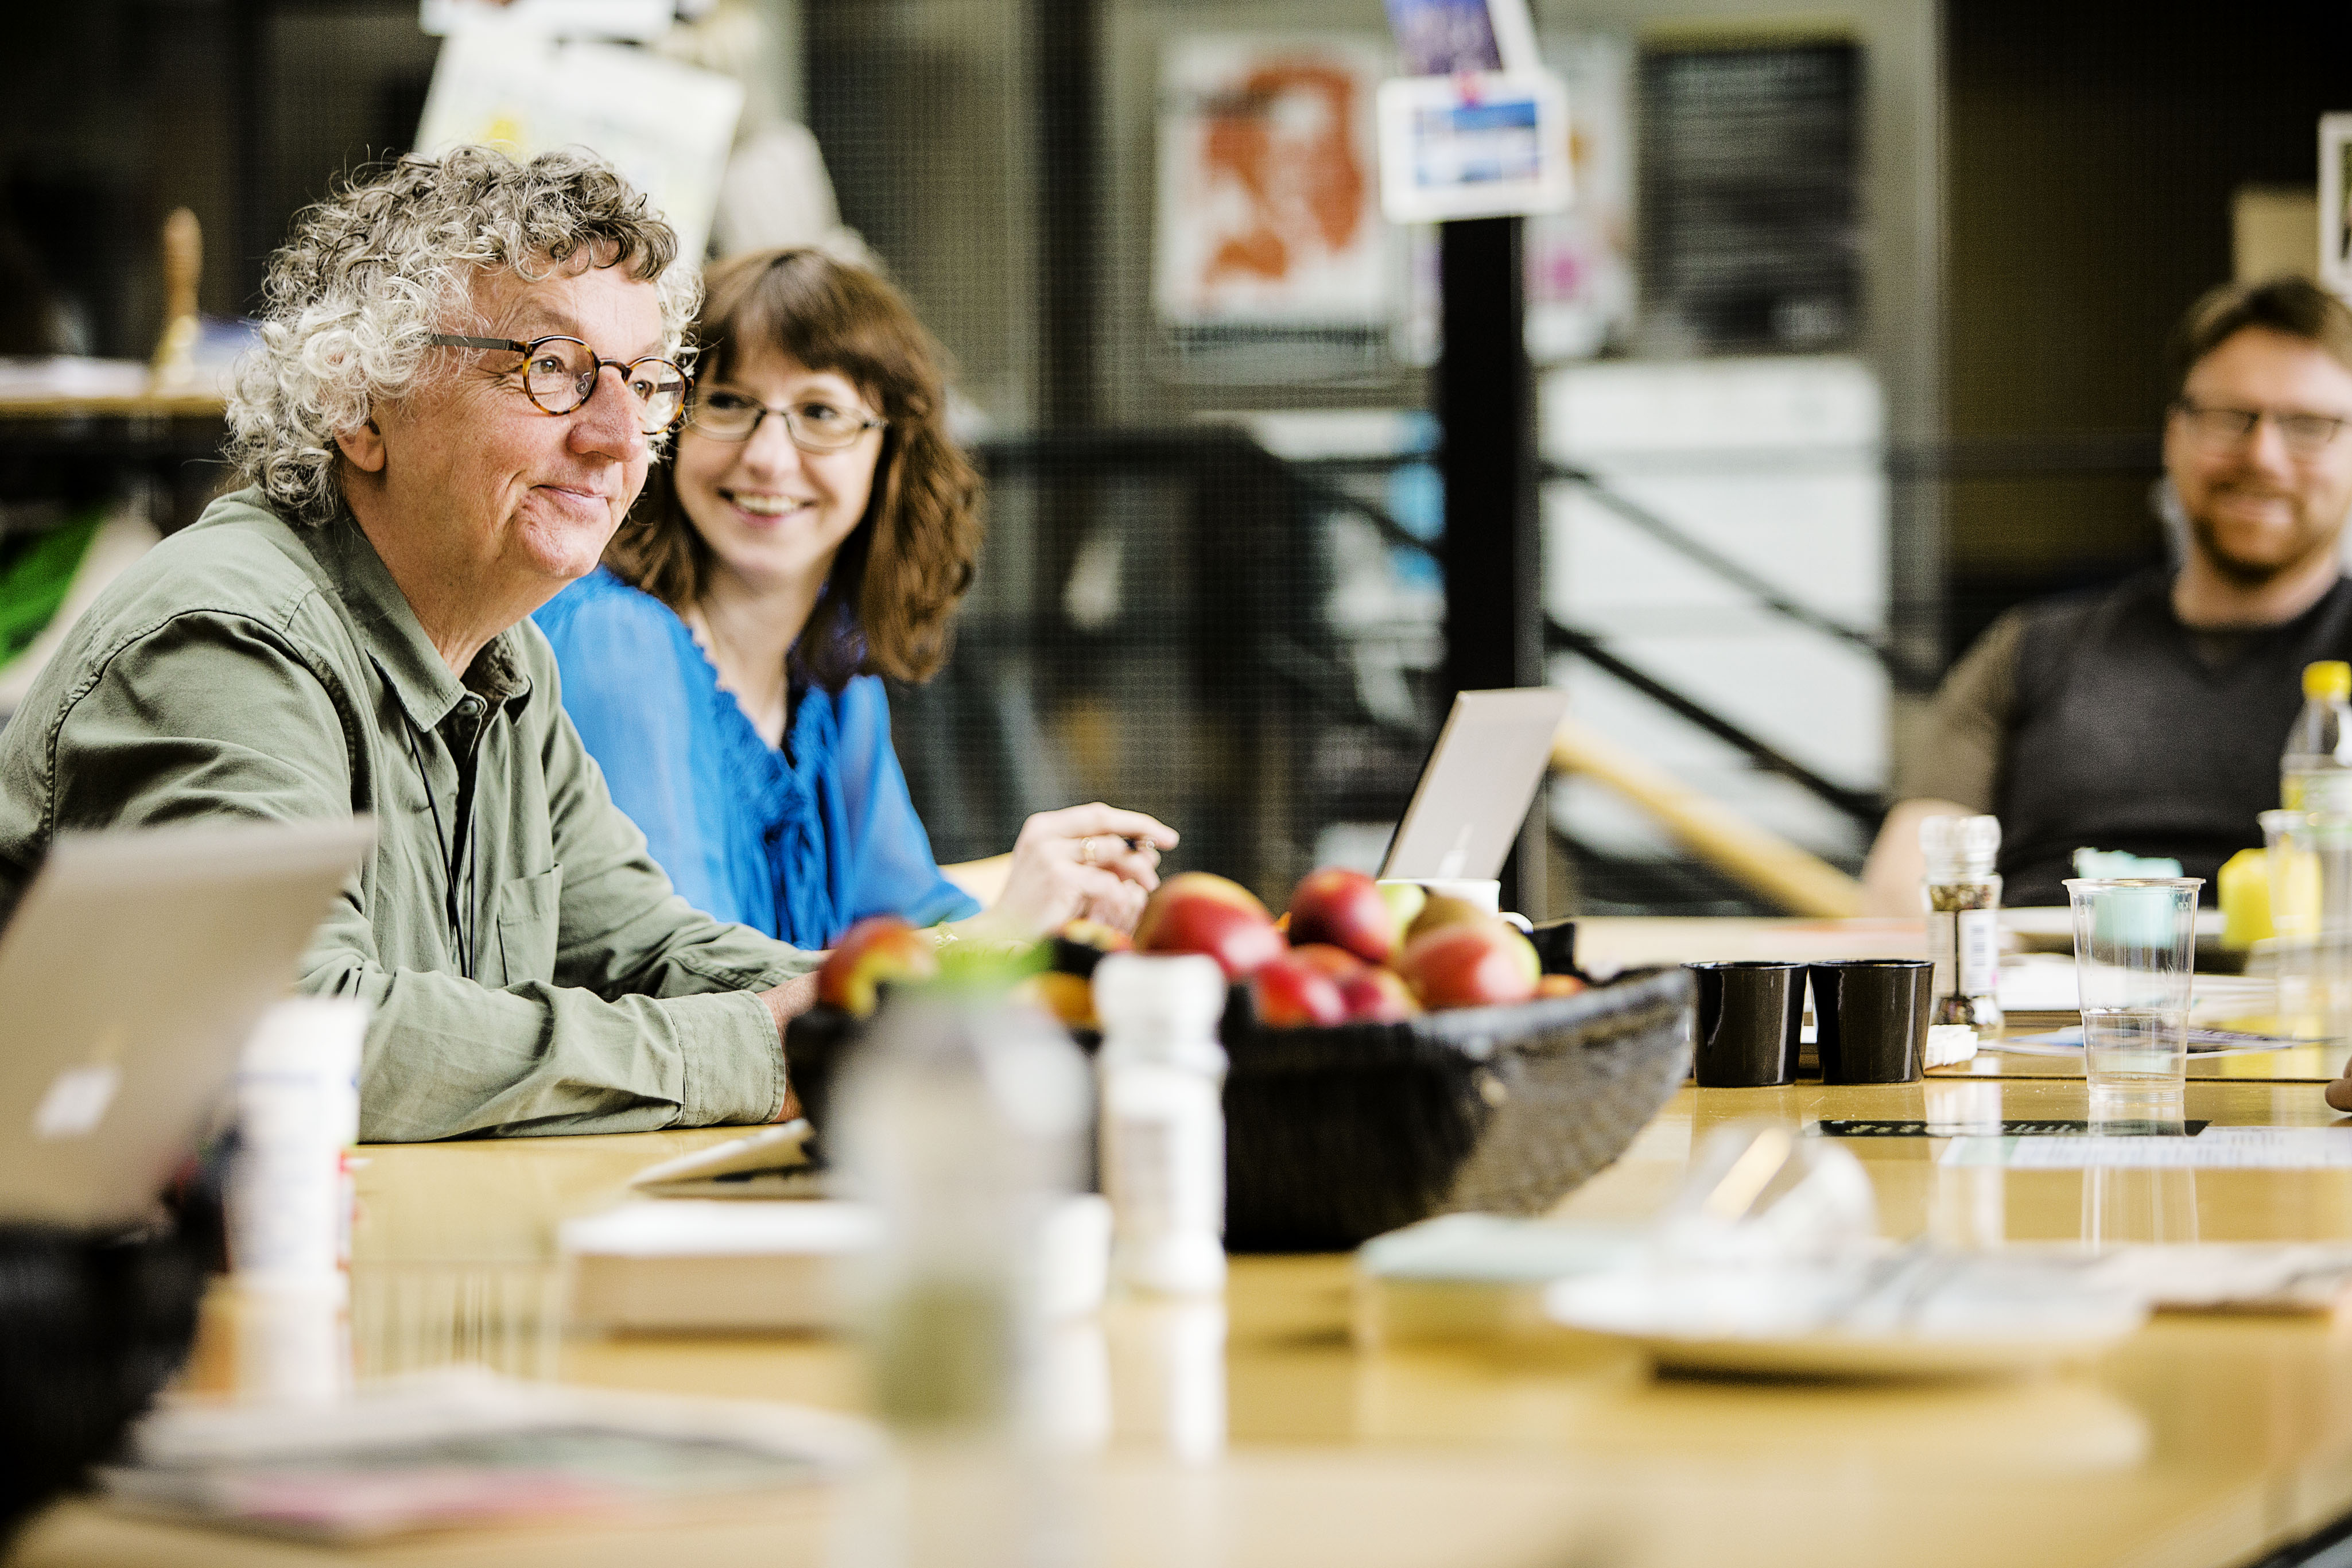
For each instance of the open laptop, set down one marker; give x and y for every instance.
(1475, 788)
(130, 973)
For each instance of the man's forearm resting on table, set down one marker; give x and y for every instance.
(448, 1057)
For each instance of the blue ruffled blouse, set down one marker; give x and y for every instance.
(798, 843)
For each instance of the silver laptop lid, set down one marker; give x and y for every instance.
(130, 973)
(1475, 789)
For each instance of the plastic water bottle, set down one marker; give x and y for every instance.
(291, 1200)
(1163, 1120)
(962, 1123)
(2316, 771)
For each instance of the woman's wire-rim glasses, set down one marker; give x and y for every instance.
(560, 373)
(814, 427)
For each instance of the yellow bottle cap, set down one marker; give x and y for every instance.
(2327, 678)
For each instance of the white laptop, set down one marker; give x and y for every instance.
(1477, 784)
(130, 973)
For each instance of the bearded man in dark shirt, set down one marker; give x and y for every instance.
(2149, 717)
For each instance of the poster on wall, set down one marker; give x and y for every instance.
(2335, 203)
(1446, 37)
(1581, 293)
(1750, 194)
(1267, 196)
(666, 127)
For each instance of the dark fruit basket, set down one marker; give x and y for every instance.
(1333, 1136)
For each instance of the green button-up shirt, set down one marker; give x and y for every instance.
(246, 667)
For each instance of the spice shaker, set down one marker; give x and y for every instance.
(1163, 1123)
(1962, 892)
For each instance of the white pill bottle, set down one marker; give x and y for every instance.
(1162, 1074)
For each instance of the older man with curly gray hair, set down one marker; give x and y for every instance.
(465, 365)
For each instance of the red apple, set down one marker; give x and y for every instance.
(1290, 992)
(1377, 996)
(1335, 962)
(1346, 909)
(1195, 912)
(1471, 966)
(878, 948)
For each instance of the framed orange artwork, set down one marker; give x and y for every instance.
(1268, 199)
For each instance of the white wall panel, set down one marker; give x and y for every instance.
(1775, 465)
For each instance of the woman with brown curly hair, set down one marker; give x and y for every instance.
(810, 534)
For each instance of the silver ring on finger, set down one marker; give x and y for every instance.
(1087, 851)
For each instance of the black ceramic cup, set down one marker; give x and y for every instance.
(1870, 1019)
(1749, 1012)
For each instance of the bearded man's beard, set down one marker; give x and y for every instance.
(2241, 571)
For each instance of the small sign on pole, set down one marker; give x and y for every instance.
(1476, 127)
(1479, 144)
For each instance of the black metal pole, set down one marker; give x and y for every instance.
(1065, 62)
(243, 256)
(1486, 404)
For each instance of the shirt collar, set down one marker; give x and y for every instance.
(420, 682)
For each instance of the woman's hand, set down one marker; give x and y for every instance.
(1092, 860)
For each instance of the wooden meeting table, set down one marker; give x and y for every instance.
(2203, 1441)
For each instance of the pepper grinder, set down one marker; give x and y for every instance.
(1962, 893)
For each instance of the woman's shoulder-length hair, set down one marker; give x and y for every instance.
(888, 600)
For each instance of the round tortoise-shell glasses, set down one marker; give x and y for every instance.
(560, 373)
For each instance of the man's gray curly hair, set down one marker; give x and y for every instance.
(379, 266)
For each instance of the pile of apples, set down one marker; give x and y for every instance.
(1350, 950)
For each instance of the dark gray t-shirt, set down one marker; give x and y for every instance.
(2101, 721)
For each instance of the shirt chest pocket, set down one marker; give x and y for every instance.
(529, 913)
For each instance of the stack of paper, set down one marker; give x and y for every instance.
(465, 1447)
(711, 1265)
(715, 1266)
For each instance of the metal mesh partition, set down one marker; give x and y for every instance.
(1178, 657)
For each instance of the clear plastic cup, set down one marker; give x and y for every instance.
(2135, 957)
